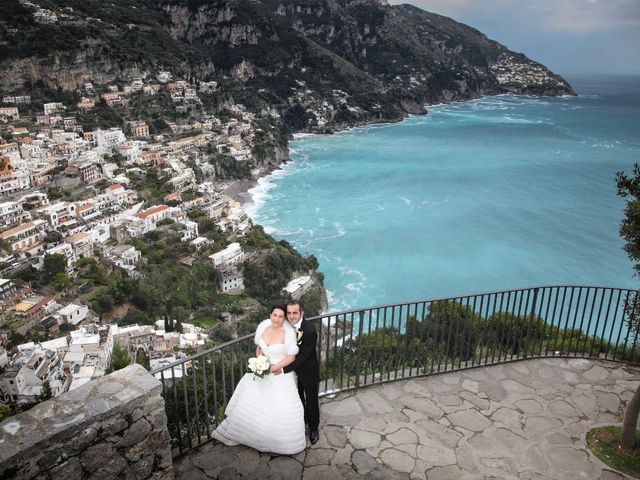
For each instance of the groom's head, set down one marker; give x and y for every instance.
(294, 311)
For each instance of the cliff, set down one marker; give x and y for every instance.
(322, 64)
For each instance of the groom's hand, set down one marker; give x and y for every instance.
(275, 371)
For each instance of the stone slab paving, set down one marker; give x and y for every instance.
(522, 420)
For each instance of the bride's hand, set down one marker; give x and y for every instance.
(274, 370)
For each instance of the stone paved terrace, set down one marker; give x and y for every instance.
(524, 420)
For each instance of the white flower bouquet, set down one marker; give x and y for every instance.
(259, 365)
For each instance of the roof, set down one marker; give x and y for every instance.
(69, 309)
(76, 237)
(85, 206)
(115, 186)
(22, 228)
(152, 211)
(74, 357)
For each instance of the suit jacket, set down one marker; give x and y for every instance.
(306, 363)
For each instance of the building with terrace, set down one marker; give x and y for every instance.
(26, 237)
(12, 213)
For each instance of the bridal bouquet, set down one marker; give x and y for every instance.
(259, 365)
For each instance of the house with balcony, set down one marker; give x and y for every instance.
(139, 129)
(12, 213)
(120, 194)
(82, 244)
(26, 237)
(90, 172)
(53, 107)
(7, 289)
(124, 256)
(9, 113)
(112, 99)
(108, 139)
(231, 255)
(60, 214)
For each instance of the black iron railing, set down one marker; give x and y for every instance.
(389, 342)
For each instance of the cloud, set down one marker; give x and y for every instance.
(575, 16)
(587, 16)
(566, 35)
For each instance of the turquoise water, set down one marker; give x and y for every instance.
(497, 193)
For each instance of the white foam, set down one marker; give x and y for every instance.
(298, 136)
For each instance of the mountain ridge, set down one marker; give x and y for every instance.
(388, 61)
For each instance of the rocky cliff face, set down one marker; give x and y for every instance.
(321, 63)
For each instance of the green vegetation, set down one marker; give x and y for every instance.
(603, 442)
(450, 334)
(266, 279)
(119, 358)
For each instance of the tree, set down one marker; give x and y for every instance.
(629, 187)
(143, 359)
(46, 393)
(53, 265)
(61, 281)
(53, 237)
(119, 358)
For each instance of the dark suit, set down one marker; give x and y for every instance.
(308, 370)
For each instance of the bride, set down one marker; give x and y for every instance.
(266, 413)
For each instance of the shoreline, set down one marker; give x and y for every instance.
(239, 189)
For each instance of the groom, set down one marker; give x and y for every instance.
(306, 367)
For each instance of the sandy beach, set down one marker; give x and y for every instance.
(238, 190)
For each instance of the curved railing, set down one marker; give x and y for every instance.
(389, 342)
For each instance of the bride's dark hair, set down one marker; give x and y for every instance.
(278, 307)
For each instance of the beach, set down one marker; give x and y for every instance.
(238, 190)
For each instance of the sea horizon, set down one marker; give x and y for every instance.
(514, 119)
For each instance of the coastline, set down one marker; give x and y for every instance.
(239, 189)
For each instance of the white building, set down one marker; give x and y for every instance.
(59, 214)
(11, 212)
(108, 139)
(231, 281)
(298, 286)
(72, 314)
(89, 353)
(231, 255)
(26, 237)
(53, 107)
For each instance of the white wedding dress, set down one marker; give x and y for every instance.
(266, 413)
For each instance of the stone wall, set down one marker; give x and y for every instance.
(112, 427)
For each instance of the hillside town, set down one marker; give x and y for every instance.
(73, 197)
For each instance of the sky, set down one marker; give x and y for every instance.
(568, 36)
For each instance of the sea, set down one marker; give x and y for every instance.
(496, 193)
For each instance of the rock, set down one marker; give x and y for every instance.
(373, 403)
(336, 436)
(397, 460)
(363, 462)
(470, 419)
(286, 467)
(361, 439)
(403, 436)
(596, 374)
(528, 406)
(318, 456)
(444, 473)
(70, 470)
(136, 433)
